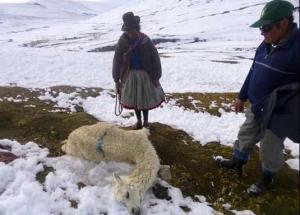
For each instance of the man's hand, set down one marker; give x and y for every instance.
(238, 105)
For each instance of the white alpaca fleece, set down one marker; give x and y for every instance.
(132, 146)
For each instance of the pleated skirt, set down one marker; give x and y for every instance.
(139, 92)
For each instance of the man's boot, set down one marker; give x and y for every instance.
(262, 185)
(234, 164)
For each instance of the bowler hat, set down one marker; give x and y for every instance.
(130, 21)
(274, 11)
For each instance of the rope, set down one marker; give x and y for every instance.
(100, 143)
(100, 140)
(118, 105)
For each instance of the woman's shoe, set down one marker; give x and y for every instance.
(137, 126)
(146, 124)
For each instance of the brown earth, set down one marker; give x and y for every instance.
(193, 168)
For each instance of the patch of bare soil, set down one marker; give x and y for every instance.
(193, 168)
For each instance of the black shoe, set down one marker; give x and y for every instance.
(146, 124)
(234, 164)
(262, 186)
(137, 125)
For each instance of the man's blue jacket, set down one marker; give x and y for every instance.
(281, 112)
(271, 69)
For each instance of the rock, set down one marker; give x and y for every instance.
(165, 173)
(160, 192)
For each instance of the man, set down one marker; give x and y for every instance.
(276, 65)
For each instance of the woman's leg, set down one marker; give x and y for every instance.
(145, 114)
(138, 115)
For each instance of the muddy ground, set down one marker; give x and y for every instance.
(193, 169)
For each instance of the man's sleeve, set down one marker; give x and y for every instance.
(243, 95)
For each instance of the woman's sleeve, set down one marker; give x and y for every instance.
(156, 63)
(116, 62)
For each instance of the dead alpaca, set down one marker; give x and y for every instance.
(117, 144)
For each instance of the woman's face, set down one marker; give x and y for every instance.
(132, 33)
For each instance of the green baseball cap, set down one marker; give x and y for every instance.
(274, 11)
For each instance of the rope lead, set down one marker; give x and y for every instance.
(118, 105)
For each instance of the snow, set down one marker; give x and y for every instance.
(206, 128)
(13, 1)
(46, 43)
(293, 163)
(294, 151)
(21, 193)
(246, 212)
(63, 100)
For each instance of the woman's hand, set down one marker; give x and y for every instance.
(156, 83)
(118, 87)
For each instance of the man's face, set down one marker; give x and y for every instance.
(275, 32)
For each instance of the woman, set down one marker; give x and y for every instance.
(137, 70)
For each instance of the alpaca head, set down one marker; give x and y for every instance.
(127, 194)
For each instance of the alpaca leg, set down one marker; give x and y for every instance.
(164, 173)
(63, 147)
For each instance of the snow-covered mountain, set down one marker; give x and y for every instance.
(54, 9)
(192, 21)
(209, 36)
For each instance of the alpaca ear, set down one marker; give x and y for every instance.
(117, 178)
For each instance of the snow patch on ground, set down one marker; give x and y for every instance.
(21, 193)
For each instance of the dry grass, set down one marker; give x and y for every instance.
(192, 166)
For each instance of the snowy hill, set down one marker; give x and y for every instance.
(211, 35)
(167, 18)
(54, 9)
